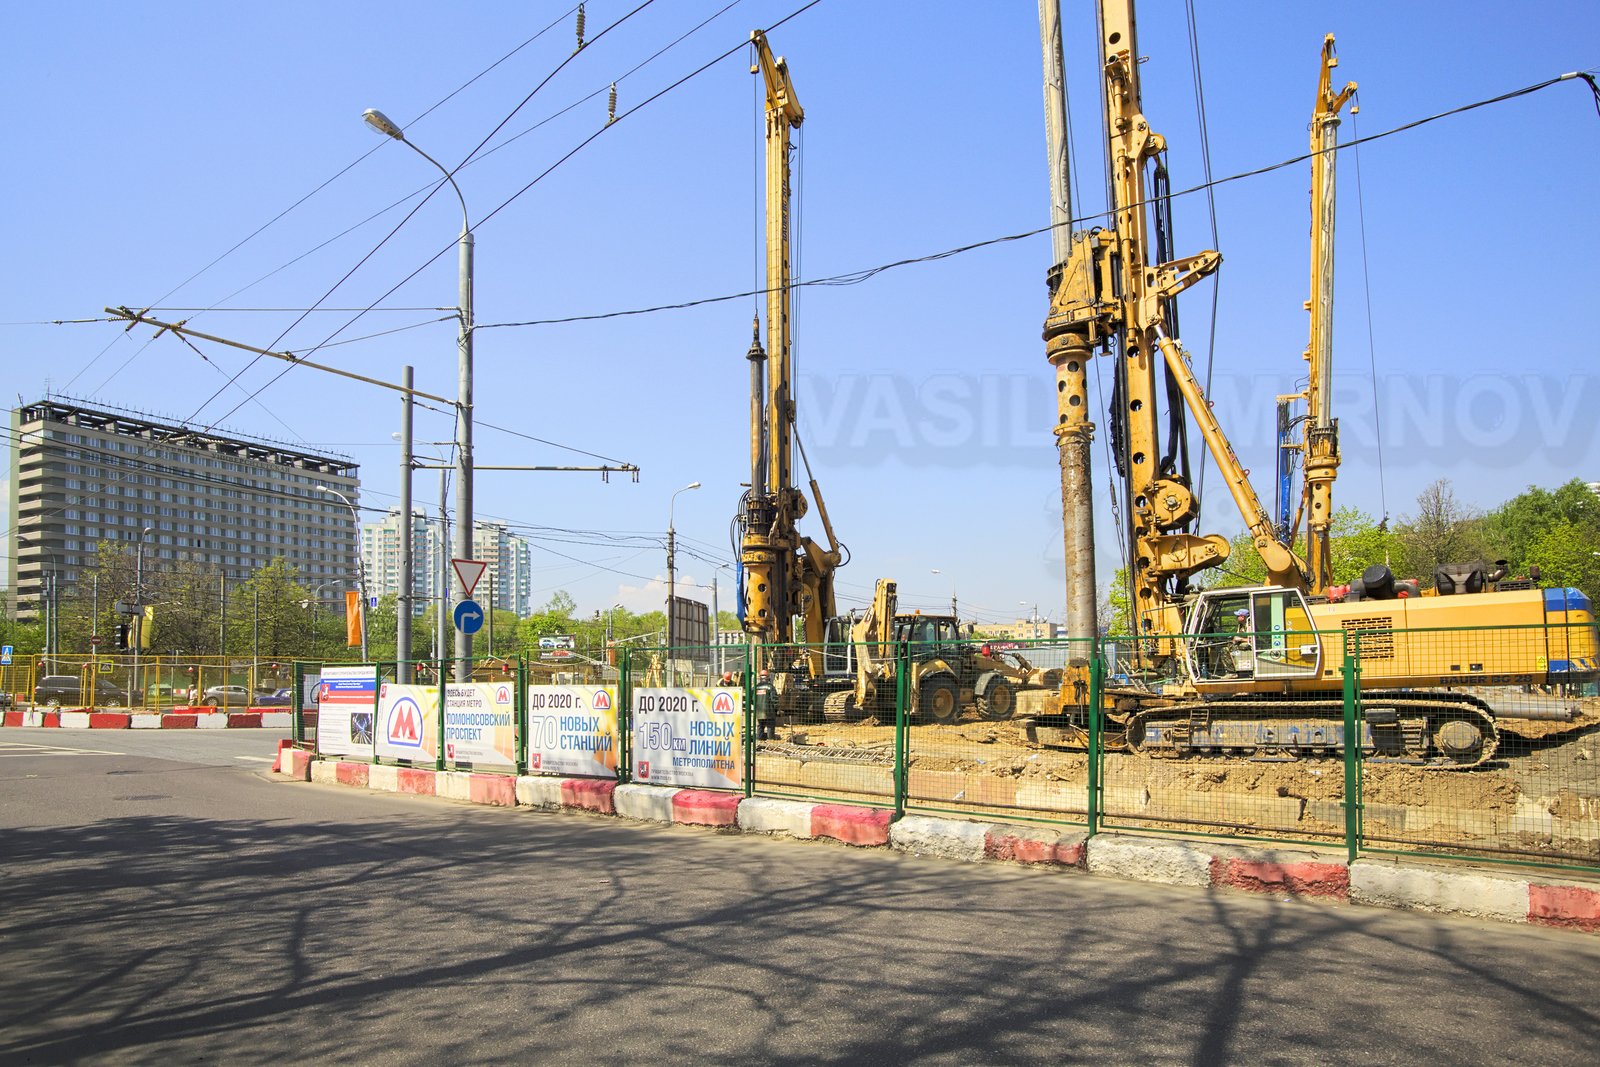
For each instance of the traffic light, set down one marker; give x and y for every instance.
(122, 637)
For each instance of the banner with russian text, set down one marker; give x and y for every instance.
(408, 722)
(480, 724)
(572, 729)
(346, 699)
(689, 737)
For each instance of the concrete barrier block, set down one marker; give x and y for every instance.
(216, 720)
(325, 771)
(244, 720)
(179, 722)
(13, 718)
(384, 778)
(1072, 850)
(144, 722)
(653, 802)
(1021, 844)
(356, 774)
(852, 825)
(1052, 796)
(705, 807)
(1149, 860)
(496, 790)
(537, 791)
(950, 838)
(1434, 889)
(109, 720)
(50, 718)
(75, 720)
(1302, 879)
(1571, 906)
(33, 718)
(414, 780)
(590, 794)
(453, 785)
(277, 720)
(296, 763)
(762, 816)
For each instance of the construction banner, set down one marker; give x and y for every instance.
(572, 729)
(408, 722)
(480, 724)
(352, 619)
(344, 709)
(688, 737)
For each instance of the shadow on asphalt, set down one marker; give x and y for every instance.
(452, 935)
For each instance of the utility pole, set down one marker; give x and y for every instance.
(402, 615)
(255, 641)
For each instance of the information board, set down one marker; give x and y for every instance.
(346, 700)
(480, 724)
(689, 737)
(572, 729)
(408, 722)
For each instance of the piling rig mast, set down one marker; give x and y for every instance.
(1115, 293)
(785, 574)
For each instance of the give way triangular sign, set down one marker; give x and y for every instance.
(469, 571)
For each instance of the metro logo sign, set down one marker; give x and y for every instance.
(602, 700)
(405, 724)
(722, 704)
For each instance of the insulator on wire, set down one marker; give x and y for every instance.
(580, 29)
(611, 105)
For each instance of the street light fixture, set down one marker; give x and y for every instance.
(361, 563)
(463, 546)
(671, 566)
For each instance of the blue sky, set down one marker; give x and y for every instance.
(148, 140)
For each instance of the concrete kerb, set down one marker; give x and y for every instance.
(1546, 898)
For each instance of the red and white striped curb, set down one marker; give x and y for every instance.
(177, 719)
(1549, 899)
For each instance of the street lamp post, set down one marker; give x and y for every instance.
(671, 567)
(138, 606)
(361, 563)
(378, 121)
(952, 578)
(402, 615)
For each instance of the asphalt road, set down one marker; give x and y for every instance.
(166, 907)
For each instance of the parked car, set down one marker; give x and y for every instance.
(56, 690)
(226, 696)
(273, 698)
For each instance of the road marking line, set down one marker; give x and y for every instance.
(50, 750)
(256, 759)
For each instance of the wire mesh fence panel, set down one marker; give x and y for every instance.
(16, 684)
(685, 725)
(995, 726)
(1497, 756)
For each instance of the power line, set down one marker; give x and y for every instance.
(858, 276)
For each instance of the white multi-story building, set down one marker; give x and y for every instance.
(83, 474)
(507, 579)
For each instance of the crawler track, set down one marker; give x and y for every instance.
(1439, 731)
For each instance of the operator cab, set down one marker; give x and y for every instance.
(929, 636)
(1251, 634)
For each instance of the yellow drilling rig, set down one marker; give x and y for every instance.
(1252, 671)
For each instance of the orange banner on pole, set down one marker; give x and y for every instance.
(352, 619)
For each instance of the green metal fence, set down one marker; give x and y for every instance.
(1482, 742)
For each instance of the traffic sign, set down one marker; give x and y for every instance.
(468, 571)
(95, 639)
(372, 602)
(469, 617)
(5, 656)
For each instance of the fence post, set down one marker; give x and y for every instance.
(520, 702)
(438, 756)
(297, 720)
(377, 706)
(625, 716)
(1352, 753)
(747, 706)
(902, 673)
(1096, 745)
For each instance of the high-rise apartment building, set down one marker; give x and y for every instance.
(507, 579)
(81, 474)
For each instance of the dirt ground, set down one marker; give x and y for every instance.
(1540, 759)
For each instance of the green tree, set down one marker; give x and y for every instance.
(1443, 530)
(272, 612)
(1566, 555)
(1512, 529)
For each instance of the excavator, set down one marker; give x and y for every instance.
(1251, 671)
